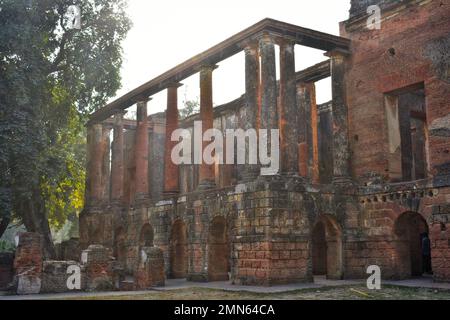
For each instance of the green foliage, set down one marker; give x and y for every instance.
(51, 77)
(6, 246)
(190, 107)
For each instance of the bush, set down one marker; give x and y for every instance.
(6, 246)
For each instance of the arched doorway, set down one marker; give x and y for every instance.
(178, 252)
(327, 248)
(319, 249)
(120, 250)
(409, 229)
(146, 236)
(218, 250)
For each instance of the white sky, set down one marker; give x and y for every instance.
(168, 32)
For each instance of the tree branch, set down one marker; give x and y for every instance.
(67, 36)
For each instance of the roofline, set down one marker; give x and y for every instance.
(217, 53)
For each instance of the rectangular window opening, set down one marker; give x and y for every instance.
(407, 133)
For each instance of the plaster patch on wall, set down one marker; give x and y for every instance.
(441, 127)
(438, 51)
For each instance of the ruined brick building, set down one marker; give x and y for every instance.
(361, 177)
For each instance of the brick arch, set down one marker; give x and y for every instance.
(398, 209)
(399, 224)
(407, 232)
(178, 250)
(218, 249)
(119, 248)
(146, 236)
(327, 247)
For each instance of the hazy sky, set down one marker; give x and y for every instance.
(168, 32)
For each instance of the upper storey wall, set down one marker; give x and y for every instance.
(411, 48)
(359, 7)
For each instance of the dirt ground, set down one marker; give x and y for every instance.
(330, 293)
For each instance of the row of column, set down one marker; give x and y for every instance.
(266, 109)
(308, 125)
(295, 111)
(141, 148)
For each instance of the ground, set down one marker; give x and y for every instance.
(423, 288)
(331, 293)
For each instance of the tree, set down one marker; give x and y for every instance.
(190, 107)
(51, 77)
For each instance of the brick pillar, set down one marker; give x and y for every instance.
(106, 163)
(98, 268)
(28, 263)
(302, 123)
(309, 146)
(206, 172)
(150, 270)
(252, 87)
(289, 112)
(141, 152)
(171, 183)
(269, 112)
(117, 160)
(96, 164)
(341, 154)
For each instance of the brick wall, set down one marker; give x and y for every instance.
(28, 263)
(404, 52)
(271, 221)
(55, 276)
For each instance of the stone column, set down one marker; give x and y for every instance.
(171, 183)
(269, 113)
(341, 153)
(141, 152)
(206, 171)
(310, 141)
(89, 153)
(96, 164)
(106, 163)
(252, 86)
(302, 123)
(289, 112)
(117, 160)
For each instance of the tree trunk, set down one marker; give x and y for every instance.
(35, 219)
(4, 224)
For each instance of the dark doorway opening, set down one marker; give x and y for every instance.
(327, 248)
(319, 250)
(219, 251)
(410, 229)
(178, 252)
(146, 236)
